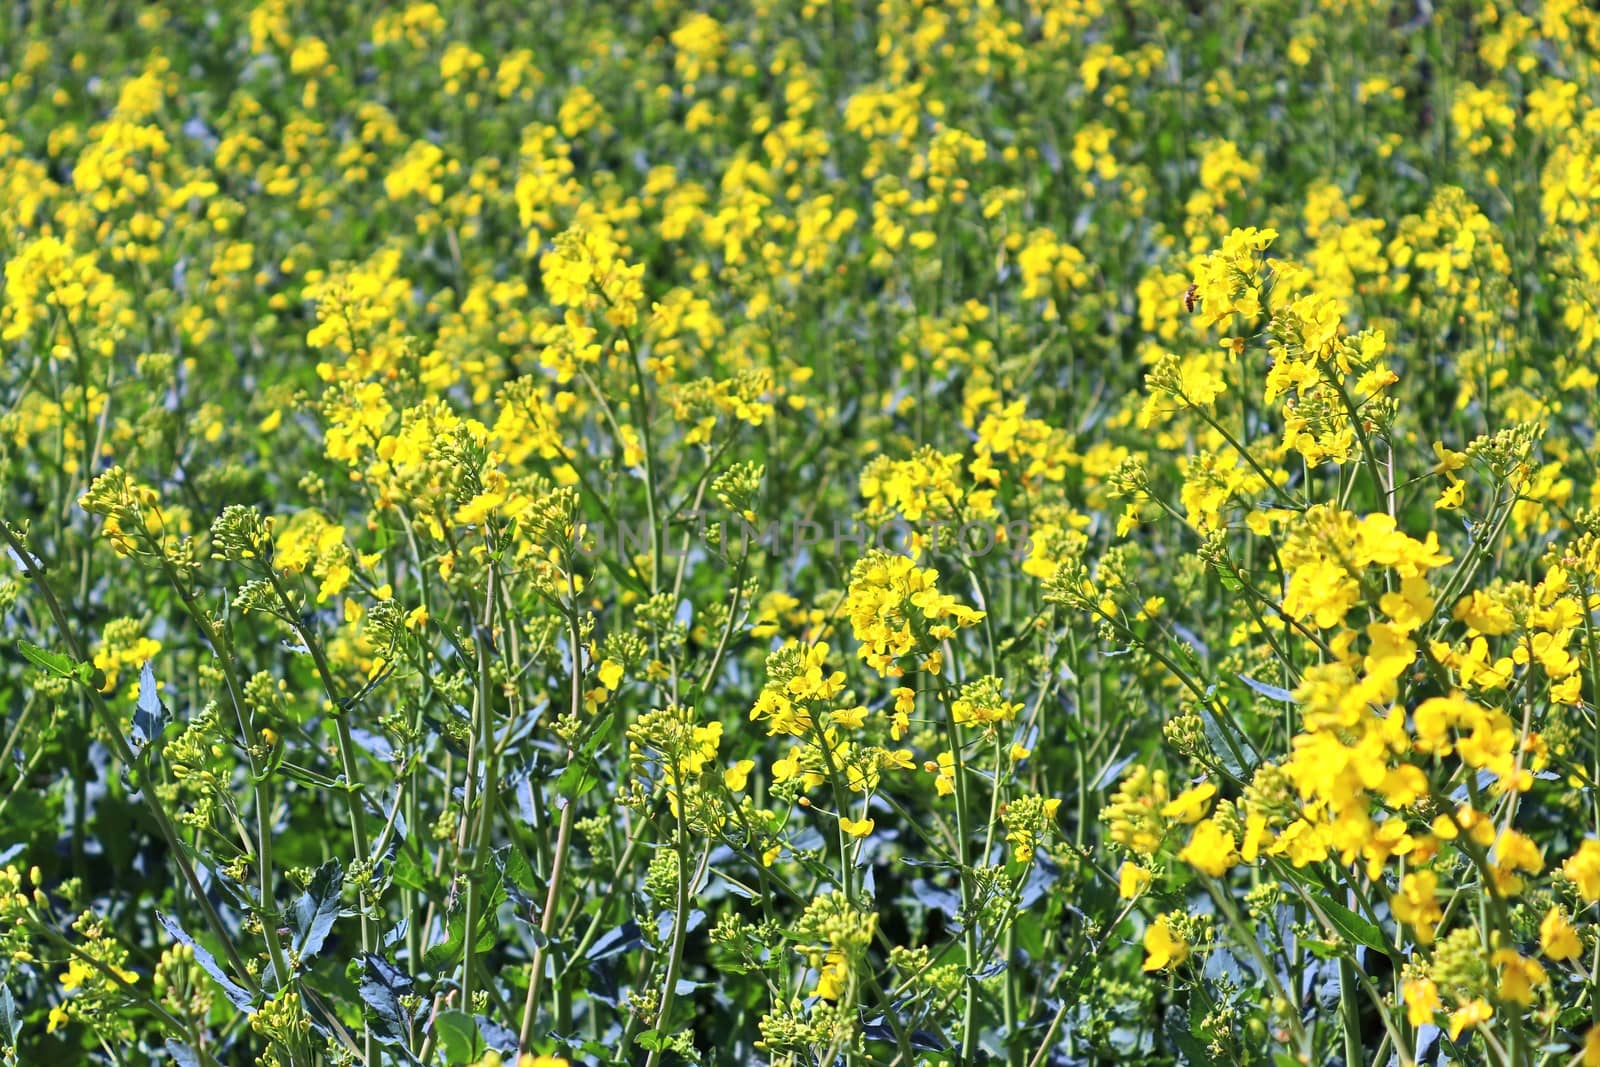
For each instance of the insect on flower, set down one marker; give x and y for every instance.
(1189, 296)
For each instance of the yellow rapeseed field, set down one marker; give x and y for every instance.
(808, 533)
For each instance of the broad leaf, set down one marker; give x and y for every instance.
(182, 1054)
(10, 1021)
(1352, 927)
(615, 942)
(382, 986)
(54, 662)
(317, 908)
(458, 1036)
(150, 717)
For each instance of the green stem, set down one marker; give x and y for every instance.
(530, 1006)
(483, 721)
(969, 918)
(680, 925)
(347, 761)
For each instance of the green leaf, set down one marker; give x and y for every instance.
(582, 773)
(448, 952)
(309, 777)
(54, 662)
(1323, 950)
(1228, 743)
(150, 718)
(314, 913)
(1572, 1016)
(517, 877)
(1193, 1051)
(182, 1054)
(1352, 927)
(458, 1036)
(382, 986)
(10, 1021)
(1271, 692)
(237, 995)
(409, 874)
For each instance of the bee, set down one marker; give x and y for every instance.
(1189, 296)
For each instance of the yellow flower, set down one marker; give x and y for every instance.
(945, 768)
(1591, 1047)
(479, 508)
(1132, 880)
(1228, 281)
(1422, 1000)
(738, 776)
(1210, 849)
(850, 718)
(1189, 806)
(1558, 938)
(856, 827)
(813, 682)
(1519, 975)
(78, 972)
(1255, 835)
(832, 975)
(788, 766)
(1583, 869)
(1163, 947)
(1452, 496)
(494, 1059)
(1468, 1015)
(1417, 904)
(896, 759)
(1515, 854)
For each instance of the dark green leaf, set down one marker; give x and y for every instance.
(317, 908)
(182, 1054)
(448, 952)
(382, 986)
(409, 874)
(237, 995)
(622, 939)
